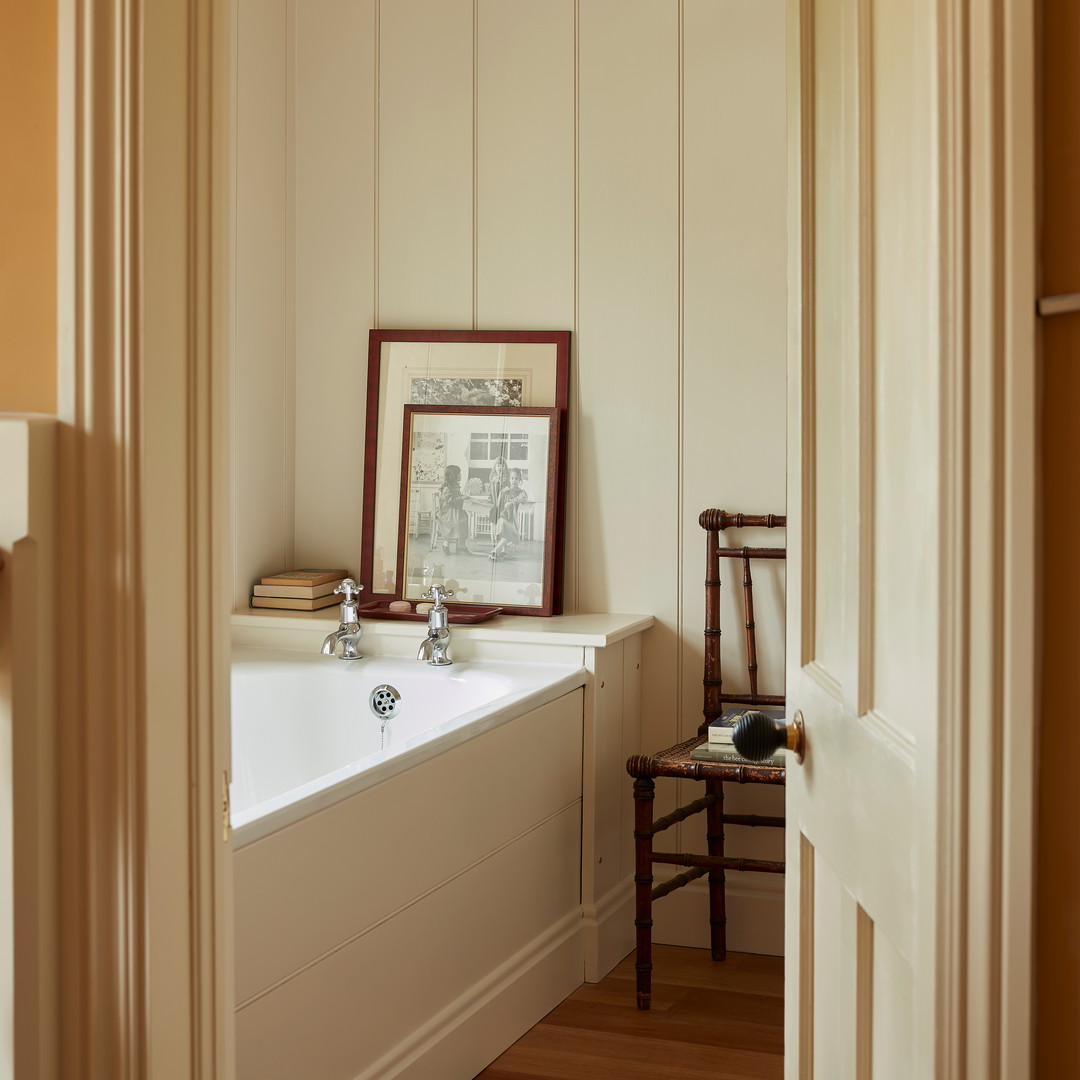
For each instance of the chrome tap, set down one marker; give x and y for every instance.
(434, 647)
(342, 642)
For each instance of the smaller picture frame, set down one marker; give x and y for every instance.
(481, 496)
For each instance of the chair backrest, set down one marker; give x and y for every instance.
(714, 522)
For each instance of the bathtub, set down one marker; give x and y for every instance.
(405, 906)
(304, 735)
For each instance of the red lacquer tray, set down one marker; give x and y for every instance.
(464, 613)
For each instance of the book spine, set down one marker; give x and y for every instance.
(304, 577)
(284, 603)
(777, 760)
(303, 592)
(720, 736)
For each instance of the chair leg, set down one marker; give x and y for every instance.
(643, 884)
(714, 819)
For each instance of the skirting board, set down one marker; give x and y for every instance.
(463, 1039)
(755, 914)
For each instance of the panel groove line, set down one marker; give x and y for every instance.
(382, 920)
(573, 541)
(681, 843)
(806, 357)
(376, 240)
(806, 958)
(864, 692)
(475, 165)
(289, 286)
(864, 995)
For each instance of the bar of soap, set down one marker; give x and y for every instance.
(423, 609)
(399, 605)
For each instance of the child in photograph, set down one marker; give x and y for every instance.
(506, 531)
(453, 521)
(498, 481)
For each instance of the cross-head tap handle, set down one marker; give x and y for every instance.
(349, 588)
(437, 593)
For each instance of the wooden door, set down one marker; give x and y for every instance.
(904, 462)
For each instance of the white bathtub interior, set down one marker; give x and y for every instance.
(304, 735)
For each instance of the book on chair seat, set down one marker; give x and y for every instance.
(721, 728)
(725, 754)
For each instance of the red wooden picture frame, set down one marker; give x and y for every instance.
(386, 397)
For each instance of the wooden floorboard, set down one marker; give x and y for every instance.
(708, 1021)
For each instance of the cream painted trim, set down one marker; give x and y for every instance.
(985, 782)
(1021, 583)
(143, 543)
(980, 1014)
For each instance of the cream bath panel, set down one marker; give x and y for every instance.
(613, 704)
(369, 1007)
(304, 891)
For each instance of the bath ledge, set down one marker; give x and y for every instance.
(589, 630)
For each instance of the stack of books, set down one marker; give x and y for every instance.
(298, 590)
(719, 747)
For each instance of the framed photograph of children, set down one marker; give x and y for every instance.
(504, 369)
(480, 497)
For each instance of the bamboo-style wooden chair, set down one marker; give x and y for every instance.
(676, 762)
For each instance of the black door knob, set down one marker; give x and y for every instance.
(757, 736)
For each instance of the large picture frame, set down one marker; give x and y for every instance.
(496, 368)
(481, 490)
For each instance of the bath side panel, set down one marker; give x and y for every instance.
(440, 908)
(382, 1005)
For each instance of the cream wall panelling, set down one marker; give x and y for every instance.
(334, 241)
(262, 432)
(425, 163)
(627, 432)
(525, 165)
(611, 166)
(733, 389)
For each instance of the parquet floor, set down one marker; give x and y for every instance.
(708, 1021)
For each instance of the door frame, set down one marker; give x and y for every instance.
(978, 1022)
(141, 888)
(144, 317)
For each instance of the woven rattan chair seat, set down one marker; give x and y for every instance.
(676, 761)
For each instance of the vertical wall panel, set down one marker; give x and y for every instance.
(525, 165)
(425, 160)
(627, 425)
(734, 353)
(262, 536)
(334, 272)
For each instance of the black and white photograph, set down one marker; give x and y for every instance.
(479, 491)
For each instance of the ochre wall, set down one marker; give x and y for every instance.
(1058, 876)
(27, 206)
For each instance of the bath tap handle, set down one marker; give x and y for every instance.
(438, 594)
(348, 587)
